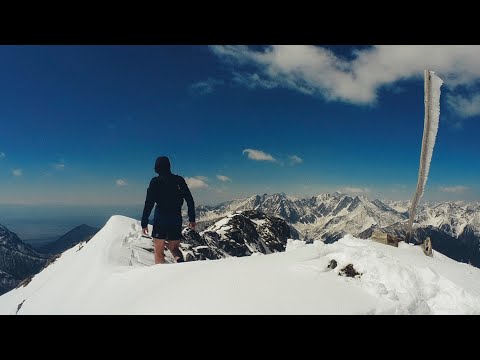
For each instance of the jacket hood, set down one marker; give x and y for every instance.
(162, 166)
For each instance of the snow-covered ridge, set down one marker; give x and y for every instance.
(110, 275)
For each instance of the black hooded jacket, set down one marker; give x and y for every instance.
(168, 191)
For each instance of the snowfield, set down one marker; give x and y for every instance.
(111, 274)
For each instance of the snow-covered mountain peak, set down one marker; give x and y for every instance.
(331, 216)
(109, 275)
(323, 197)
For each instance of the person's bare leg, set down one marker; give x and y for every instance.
(159, 246)
(173, 245)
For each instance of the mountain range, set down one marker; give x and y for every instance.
(454, 227)
(66, 241)
(263, 223)
(19, 260)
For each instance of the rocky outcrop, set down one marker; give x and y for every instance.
(238, 234)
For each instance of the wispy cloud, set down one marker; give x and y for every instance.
(2, 155)
(458, 125)
(465, 106)
(59, 166)
(206, 87)
(223, 178)
(318, 71)
(258, 155)
(253, 81)
(196, 183)
(453, 189)
(354, 190)
(200, 177)
(17, 172)
(121, 182)
(294, 160)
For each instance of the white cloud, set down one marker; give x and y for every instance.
(203, 178)
(354, 190)
(252, 81)
(121, 182)
(465, 106)
(223, 178)
(206, 87)
(258, 155)
(453, 189)
(2, 155)
(17, 172)
(294, 159)
(318, 71)
(196, 183)
(60, 166)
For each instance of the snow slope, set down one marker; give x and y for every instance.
(110, 275)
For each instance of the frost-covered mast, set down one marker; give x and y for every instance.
(430, 128)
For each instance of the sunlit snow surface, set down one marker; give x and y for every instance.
(112, 274)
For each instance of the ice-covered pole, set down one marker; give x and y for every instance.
(430, 127)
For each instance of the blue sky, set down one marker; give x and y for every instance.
(84, 124)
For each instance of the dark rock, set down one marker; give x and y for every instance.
(19, 306)
(245, 232)
(25, 282)
(349, 271)
(332, 264)
(307, 219)
(345, 202)
(332, 237)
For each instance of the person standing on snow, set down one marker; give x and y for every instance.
(168, 191)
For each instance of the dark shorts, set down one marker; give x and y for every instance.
(167, 232)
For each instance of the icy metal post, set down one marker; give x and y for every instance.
(430, 128)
